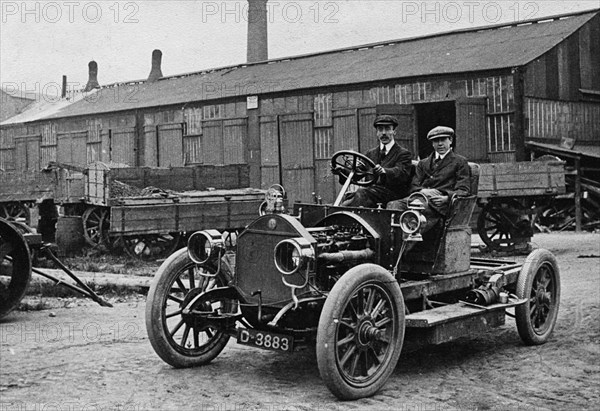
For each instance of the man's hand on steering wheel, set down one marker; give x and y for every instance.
(379, 170)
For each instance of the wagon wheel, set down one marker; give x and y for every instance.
(180, 341)
(96, 224)
(15, 267)
(151, 246)
(539, 282)
(360, 333)
(499, 227)
(15, 211)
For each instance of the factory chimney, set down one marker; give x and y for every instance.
(258, 49)
(93, 77)
(155, 72)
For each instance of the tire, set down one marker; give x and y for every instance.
(539, 281)
(348, 331)
(15, 267)
(178, 343)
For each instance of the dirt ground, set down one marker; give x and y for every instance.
(91, 358)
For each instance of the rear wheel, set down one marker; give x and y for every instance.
(539, 282)
(15, 211)
(361, 332)
(178, 341)
(501, 227)
(15, 267)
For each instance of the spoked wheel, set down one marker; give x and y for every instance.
(361, 332)
(15, 211)
(180, 341)
(96, 226)
(539, 282)
(151, 246)
(15, 267)
(499, 225)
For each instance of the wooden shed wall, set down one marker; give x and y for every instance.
(572, 65)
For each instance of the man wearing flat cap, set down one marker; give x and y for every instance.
(393, 165)
(439, 177)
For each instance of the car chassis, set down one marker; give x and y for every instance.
(357, 283)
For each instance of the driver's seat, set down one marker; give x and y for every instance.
(446, 248)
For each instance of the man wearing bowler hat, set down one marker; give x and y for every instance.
(393, 164)
(439, 177)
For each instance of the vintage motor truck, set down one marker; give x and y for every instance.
(344, 281)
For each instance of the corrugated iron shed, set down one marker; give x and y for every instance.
(482, 49)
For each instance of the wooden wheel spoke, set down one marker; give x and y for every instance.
(378, 308)
(347, 355)
(369, 303)
(348, 323)
(360, 302)
(176, 328)
(371, 353)
(354, 364)
(196, 339)
(173, 314)
(345, 340)
(186, 334)
(383, 322)
(181, 285)
(176, 299)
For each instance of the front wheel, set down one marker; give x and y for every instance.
(182, 342)
(361, 332)
(539, 282)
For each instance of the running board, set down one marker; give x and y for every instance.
(449, 322)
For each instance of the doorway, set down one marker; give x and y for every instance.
(430, 115)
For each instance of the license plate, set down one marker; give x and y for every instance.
(265, 339)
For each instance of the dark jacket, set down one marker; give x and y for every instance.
(397, 165)
(452, 175)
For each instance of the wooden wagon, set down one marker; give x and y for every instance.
(510, 196)
(149, 210)
(21, 192)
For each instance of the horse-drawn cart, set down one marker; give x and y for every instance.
(511, 195)
(151, 221)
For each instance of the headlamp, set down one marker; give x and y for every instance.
(292, 255)
(205, 245)
(411, 222)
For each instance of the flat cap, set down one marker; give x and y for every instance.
(440, 132)
(383, 119)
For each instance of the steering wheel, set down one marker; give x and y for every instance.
(354, 166)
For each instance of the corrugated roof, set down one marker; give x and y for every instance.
(488, 48)
(46, 106)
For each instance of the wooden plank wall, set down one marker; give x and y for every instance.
(550, 121)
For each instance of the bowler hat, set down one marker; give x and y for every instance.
(384, 119)
(440, 132)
